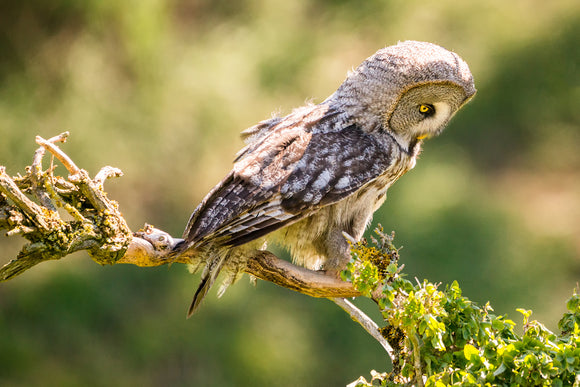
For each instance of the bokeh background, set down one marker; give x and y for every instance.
(161, 89)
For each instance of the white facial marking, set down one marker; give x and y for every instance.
(431, 124)
(442, 113)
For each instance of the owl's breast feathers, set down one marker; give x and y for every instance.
(292, 167)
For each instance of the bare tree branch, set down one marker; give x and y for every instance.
(28, 207)
(152, 247)
(267, 266)
(365, 321)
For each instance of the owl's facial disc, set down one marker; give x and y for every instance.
(422, 112)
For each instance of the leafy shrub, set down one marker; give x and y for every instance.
(441, 338)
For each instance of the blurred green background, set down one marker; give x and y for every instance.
(161, 89)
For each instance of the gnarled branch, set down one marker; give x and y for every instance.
(28, 208)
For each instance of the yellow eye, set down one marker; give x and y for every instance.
(426, 109)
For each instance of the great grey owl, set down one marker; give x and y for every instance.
(305, 179)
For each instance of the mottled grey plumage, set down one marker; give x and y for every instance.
(304, 179)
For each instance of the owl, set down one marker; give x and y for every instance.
(308, 180)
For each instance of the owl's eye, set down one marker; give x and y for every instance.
(426, 109)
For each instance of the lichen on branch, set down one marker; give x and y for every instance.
(30, 204)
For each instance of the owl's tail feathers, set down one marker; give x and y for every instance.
(208, 277)
(200, 293)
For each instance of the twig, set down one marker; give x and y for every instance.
(106, 173)
(36, 170)
(31, 209)
(417, 359)
(57, 152)
(365, 321)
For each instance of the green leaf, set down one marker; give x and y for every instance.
(501, 369)
(573, 304)
(497, 324)
(469, 351)
(392, 268)
(525, 312)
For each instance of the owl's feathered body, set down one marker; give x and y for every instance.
(305, 179)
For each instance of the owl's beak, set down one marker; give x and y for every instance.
(423, 136)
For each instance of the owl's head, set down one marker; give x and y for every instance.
(411, 90)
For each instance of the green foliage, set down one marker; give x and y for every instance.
(446, 339)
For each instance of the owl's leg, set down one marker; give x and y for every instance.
(335, 243)
(334, 246)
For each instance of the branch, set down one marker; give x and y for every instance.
(153, 247)
(28, 208)
(365, 321)
(268, 267)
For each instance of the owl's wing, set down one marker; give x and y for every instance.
(290, 174)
